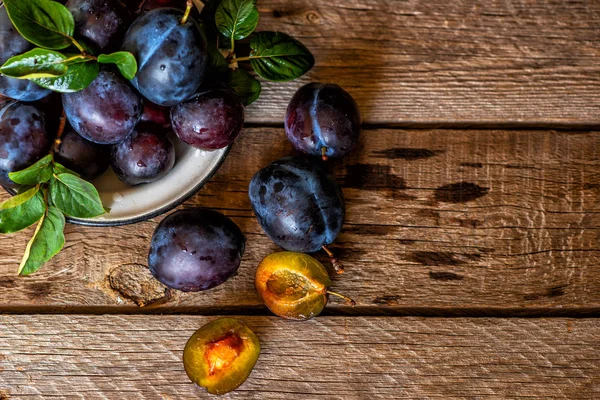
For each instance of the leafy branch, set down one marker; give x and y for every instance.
(50, 26)
(48, 192)
(274, 56)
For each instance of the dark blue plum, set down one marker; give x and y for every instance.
(88, 159)
(298, 204)
(323, 120)
(195, 249)
(12, 44)
(143, 157)
(209, 121)
(171, 56)
(23, 139)
(105, 112)
(102, 22)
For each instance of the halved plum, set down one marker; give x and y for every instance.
(294, 285)
(221, 355)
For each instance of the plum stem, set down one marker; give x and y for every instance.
(188, 10)
(337, 265)
(59, 133)
(349, 301)
(324, 153)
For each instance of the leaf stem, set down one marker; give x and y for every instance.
(80, 57)
(188, 10)
(76, 44)
(240, 59)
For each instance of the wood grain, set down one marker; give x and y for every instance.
(507, 221)
(139, 357)
(465, 62)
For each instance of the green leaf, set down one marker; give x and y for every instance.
(278, 57)
(39, 172)
(246, 86)
(237, 19)
(37, 63)
(18, 199)
(61, 169)
(124, 60)
(47, 241)
(44, 23)
(22, 211)
(23, 188)
(75, 197)
(78, 77)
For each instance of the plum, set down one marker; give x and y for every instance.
(298, 204)
(294, 285)
(157, 116)
(171, 56)
(105, 112)
(323, 120)
(88, 159)
(221, 355)
(23, 139)
(195, 249)
(209, 121)
(102, 22)
(12, 44)
(143, 157)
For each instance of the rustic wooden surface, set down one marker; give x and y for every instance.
(489, 220)
(139, 357)
(462, 62)
(494, 213)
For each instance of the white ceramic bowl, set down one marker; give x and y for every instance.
(131, 204)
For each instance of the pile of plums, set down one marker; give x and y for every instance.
(299, 206)
(115, 122)
(295, 199)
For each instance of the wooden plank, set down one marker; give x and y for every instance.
(482, 220)
(520, 62)
(139, 357)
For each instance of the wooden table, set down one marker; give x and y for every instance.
(471, 241)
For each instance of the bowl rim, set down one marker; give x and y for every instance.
(152, 214)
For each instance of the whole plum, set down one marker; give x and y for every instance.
(143, 157)
(102, 22)
(105, 112)
(23, 139)
(323, 120)
(171, 56)
(209, 121)
(299, 205)
(88, 159)
(195, 249)
(12, 44)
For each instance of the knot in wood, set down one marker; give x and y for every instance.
(136, 283)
